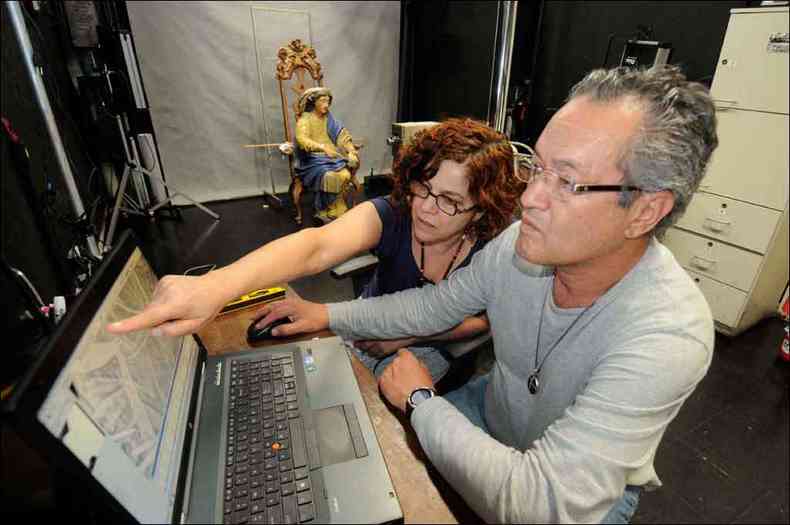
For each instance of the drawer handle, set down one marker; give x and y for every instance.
(716, 225)
(702, 263)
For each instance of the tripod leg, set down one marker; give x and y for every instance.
(151, 211)
(117, 207)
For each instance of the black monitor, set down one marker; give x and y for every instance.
(61, 403)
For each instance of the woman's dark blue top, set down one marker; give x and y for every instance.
(397, 270)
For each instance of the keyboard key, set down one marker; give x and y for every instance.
(289, 510)
(301, 473)
(303, 498)
(303, 485)
(286, 477)
(306, 513)
(275, 514)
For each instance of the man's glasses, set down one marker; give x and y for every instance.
(528, 169)
(445, 204)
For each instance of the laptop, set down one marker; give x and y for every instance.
(165, 433)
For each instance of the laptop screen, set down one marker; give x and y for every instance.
(120, 404)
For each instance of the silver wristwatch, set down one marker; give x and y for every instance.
(417, 396)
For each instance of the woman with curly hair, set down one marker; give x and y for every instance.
(454, 189)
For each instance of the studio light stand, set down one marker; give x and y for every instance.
(142, 205)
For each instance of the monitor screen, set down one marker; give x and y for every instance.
(120, 403)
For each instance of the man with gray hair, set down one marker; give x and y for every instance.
(599, 334)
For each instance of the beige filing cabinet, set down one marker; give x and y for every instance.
(733, 239)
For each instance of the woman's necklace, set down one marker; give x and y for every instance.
(533, 381)
(425, 280)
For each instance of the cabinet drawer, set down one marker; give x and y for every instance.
(751, 161)
(720, 261)
(738, 223)
(725, 301)
(751, 73)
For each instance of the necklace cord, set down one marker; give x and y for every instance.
(538, 367)
(449, 266)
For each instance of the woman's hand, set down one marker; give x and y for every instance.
(180, 305)
(383, 348)
(305, 316)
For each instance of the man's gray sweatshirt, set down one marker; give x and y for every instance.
(608, 390)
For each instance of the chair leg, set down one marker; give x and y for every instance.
(296, 194)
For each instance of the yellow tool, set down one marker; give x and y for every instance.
(264, 295)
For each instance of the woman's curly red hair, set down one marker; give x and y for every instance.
(488, 157)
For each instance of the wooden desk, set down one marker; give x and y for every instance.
(424, 496)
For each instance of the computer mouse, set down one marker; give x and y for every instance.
(256, 335)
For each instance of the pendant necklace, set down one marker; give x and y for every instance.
(533, 381)
(423, 279)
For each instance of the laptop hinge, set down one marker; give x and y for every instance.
(195, 423)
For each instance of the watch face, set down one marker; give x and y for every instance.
(420, 395)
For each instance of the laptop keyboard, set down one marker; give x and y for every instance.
(267, 472)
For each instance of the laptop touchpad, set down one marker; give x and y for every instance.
(338, 434)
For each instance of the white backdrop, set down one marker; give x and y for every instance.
(209, 91)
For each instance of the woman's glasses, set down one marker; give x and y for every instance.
(445, 204)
